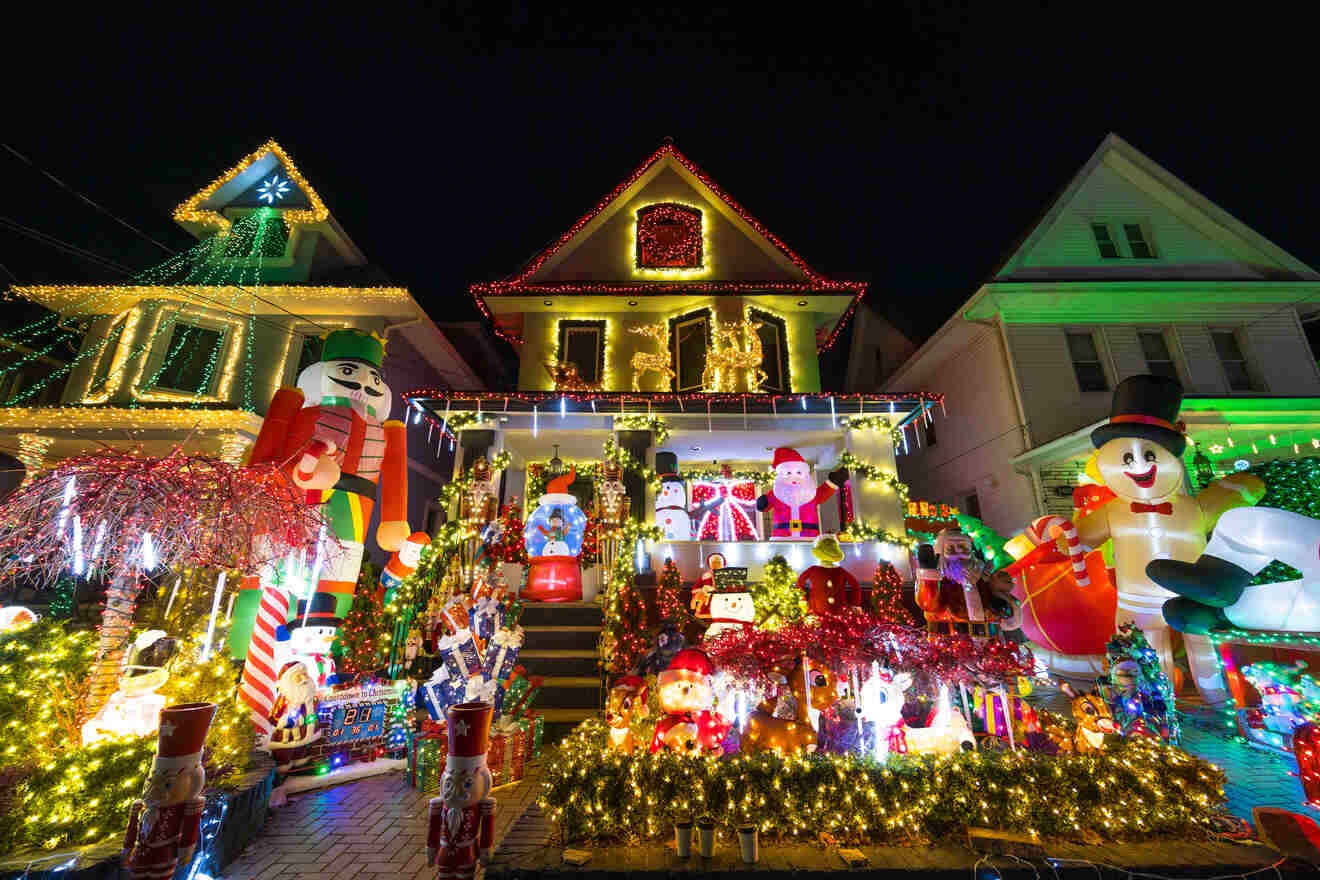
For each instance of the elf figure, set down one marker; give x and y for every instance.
(461, 822)
(795, 495)
(163, 824)
(333, 430)
(671, 502)
(1139, 458)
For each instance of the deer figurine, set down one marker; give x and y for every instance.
(729, 355)
(642, 363)
(1093, 722)
(627, 704)
(765, 732)
(565, 376)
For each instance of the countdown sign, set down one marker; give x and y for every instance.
(353, 721)
(730, 577)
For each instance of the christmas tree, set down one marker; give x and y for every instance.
(358, 643)
(778, 600)
(509, 547)
(887, 596)
(668, 599)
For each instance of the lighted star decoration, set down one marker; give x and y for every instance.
(273, 190)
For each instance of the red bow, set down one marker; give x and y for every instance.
(1166, 508)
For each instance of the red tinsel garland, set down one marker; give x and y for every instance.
(855, 639)
(199, 511)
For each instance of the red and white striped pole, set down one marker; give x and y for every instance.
(259, 672)
(1050, 528)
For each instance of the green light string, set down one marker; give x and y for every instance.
(248, 245)
(87, 303)
(203, 247)
(268, 215)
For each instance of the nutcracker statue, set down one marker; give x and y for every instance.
(334, 434)
(478, 503)
(163, 824)
(461, 822)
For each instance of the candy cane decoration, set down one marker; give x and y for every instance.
(259, 672)
(1049, 528)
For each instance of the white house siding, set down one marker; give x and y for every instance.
(1278, 348)
(1054, 403)
(976, 440)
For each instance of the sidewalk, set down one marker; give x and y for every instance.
(373, 828)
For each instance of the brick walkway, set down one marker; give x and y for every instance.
(373, 828)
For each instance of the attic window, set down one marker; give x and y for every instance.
(668, 237)
(1105, 242)
(1137, 244)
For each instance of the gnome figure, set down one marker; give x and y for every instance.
(671, 501)
(163, 823)
(461, 822)
(795, 495)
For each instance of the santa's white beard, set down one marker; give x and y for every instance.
(962, 569)
(794, 494)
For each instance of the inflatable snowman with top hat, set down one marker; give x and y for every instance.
(671, 500)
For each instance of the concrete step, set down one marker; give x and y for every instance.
(562, 614)
(573, 638)
(560, 662)
(558, 722)
(571, 692)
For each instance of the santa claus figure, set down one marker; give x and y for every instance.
(163, 824)
(461, 822)
(795, 495)
(686, 695)
(293, 716)
(671, 501)
(956, 592)
(704, 588)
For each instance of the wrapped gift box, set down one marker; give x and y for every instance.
(426, 760)
(498, 759)
(518, 750)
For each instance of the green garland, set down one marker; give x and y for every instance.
(1132, 789)
(465, 419)
(453, 491)
(639, 422)
(874, 423)
(874, 474)
(860, 531)
(759, 477)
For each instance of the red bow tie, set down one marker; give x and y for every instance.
(1166, 508)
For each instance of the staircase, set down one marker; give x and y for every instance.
(560, 644)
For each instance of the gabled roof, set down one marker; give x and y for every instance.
(805, 280)
(1215, 222)
(204, 207)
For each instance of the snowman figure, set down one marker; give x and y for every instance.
(308, 637)
(730, 610)
(555, 532)
(671, 501)
(1151, 517)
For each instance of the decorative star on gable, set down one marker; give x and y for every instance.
(275, 177)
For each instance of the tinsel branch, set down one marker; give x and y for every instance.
(94, 510)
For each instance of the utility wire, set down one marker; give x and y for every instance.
(84, 198)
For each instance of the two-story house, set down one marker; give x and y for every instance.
(1128, 271)
(190, 353)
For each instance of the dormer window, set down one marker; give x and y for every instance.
(1122, 240)
(669, 237)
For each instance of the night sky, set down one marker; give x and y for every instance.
(911, 146)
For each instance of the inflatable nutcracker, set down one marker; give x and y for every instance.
(334, 433)
(956, 592)
(402, 564)
(163, 824)
(461, 822)
(828, 588)
(1152, 518)
(795, 495)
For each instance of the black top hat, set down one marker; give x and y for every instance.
(666, 465)
(1146, 407)
(322, 612)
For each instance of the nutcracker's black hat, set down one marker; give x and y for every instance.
(1147, 407)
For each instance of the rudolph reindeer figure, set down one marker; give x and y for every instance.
(642, 363)
(565, 376)
(1093, 722)
(765, 732)
(736, 346)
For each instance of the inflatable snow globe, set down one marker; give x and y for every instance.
(553, 537)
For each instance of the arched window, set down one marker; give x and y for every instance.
(669, 237)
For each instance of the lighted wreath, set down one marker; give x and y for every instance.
(669, 237)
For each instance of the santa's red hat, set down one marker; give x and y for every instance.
(689, 664)
(469, 734)
(183, 729)
(632, 682)
(785, 454)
